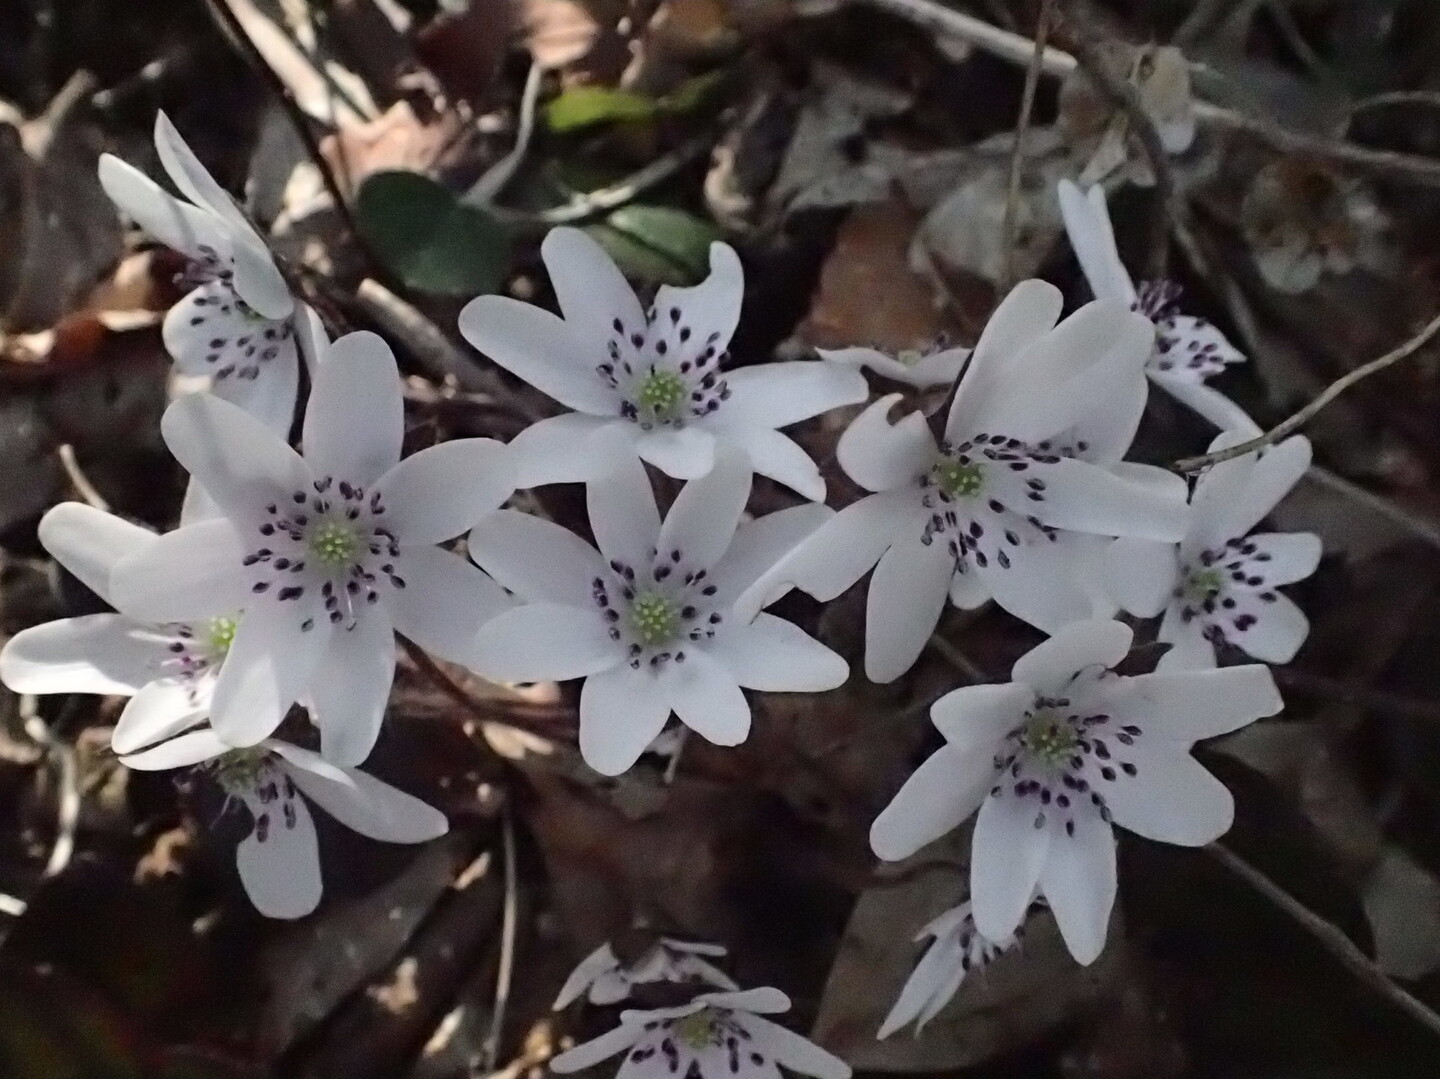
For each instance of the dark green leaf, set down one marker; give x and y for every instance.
(584, 106)
(657, 243)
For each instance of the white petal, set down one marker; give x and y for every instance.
(239, 461)
(779, 394)
(934, 969)
(351, 686)
(775, 656)
(174, 223)
(180, 752)
(1087, 498)
(1087, 223)
(89, 542)
(838, 553)
(561, 449)
(355, 418)
(794, 1052)
(1045, 581)
(707, 699)
(1189, 648)
(1007, 857)
(1025, 315)
(1279, 629)
(590, 288)
(758, 546)
(706, 513)
(711, 308)
(1172, 799)
(281, 874)
(922, 371)
(197, 506)
(310, 337)
(622, 710)
(599, 961)
(1190, 350)
(558, 359)
(162, 709)
(685, 454)
(444, 603)
(623, 514)
(96, 653)
(544, 642)
(761, 1001)
(968, 589)
(211, 332)
(1079, 881)
(535, 558)
(940, 794)
(1109, 428)
(907, 593)
(588, 1054)
(360, 801)
(880, 455)
(1209, 403)
(782, 459)
(193, 572)
(439, 492)
(1288, 556)
(975, 718)
(1186, 706)
(1141, 574)
(267, 669)
(270, 397)
(1269, 480)
(1047, 668)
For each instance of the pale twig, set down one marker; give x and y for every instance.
(68, 811)
(672, 767)
(1299, 419)
(83, 487)
(487, 189)
(1430, 98)
(1017, 156)
(509, 922)
(944, 21)
(1330, 937)
(1424, 529)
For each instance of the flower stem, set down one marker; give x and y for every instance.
(1017, 156)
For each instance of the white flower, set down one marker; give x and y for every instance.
(921, 368)
(604, 979)
(279, 860)
(328, 555)
(956, 949)
(1009, 505)
(1056, 756)
(1220, 585)
(1188, 350)
(654, 377)
(649, 620)
(715, 1036)
(240, 325)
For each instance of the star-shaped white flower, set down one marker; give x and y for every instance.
(604, 978)
(1221, 584)
(328, 555)
(654, 377)
(1188, 350)
(649, 620)
(715, 1036)
(279, 860)
(1010, 505)
(921, 368)
(1056, 757)
(956, 950)
(239, 325)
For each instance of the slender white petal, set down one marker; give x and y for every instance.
(1028, 312)
(89, 542)
(779, 394)
(924, 984)
(279, 861)
(180, 752)
(1087, 498)
(544, 641)
(907, 594)
(706, 513)
(271, 396)
(685, 454)
(940, 794)
(1108, 430)
(758, 546)
(268, 667)
(1141, 574)
(96, 653)
(1190, 649)
(436, 494)
(791, 1050)
(535, 558)
(444, 603)
(599, 961)
(840, 551)
(1289, 556)
(704, 694)
(1085, 646)
(1087, 223)
(622, 710)
(360, 801)
(1172, 799)
(782, 459)
(1209, 403)
(1186, 706)
(975, 718)
(590, 288)
(175, 224)
(162, 709)
(623, 514)
(310, 337)
(921, 370)
(1279, 629)
(1007, 857)
(588, 1054)
(350, 687)
(553, 356)
(1044, 583)
(355, 418)
(776, 656)
(1269, 480)
(712, 308)
(562, 449)
(193, 572)
(760, 1001)
(880, 455)
(1079, 881)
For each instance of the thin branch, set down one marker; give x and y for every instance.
(487, 189)
(68, 808)
(81, 482)
(947, 22)
(1299, 419)
(1422, 528)
(1330, 937)
(1429, 98)
(509, 923)
(1017, 156)
(468, 704)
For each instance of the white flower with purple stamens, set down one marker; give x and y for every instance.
(956, 950)
(328, 555)
(1056, 757)
(715, 1036)
(1220, 586)
(1009, 505)
(1188, 350)
(279, 861)
(649, 620)
(921, 368)
(604, 978)
(654, 377)
(240, 324)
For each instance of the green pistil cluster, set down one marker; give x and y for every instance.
(661, 393)
(698, 1030)
(221, 636)
(959, 480)
(1049, 737)
(334, 544)
(909, 357)
(654, 619)
(239, 769)
(1203, 584)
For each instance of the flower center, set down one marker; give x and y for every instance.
(661, 392)
(1204, 584)
(334, 544)
(1048, 737)
(958, 479)
(700, 1029)
(909, 357)
(220, 635)
(239, 770)
(654, 619)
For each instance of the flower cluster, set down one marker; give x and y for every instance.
(291, 572)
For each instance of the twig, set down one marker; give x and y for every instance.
(468, 704)
(945, 21)
(83, 487)
(672, 768)
(231, 27)
(68, 811)
(505, 969)
(1017, 156)
(1200, 19)
(1421, 528)
(1334, 691)
(1299, 419)
(487, 189)
(956, 658)
(1430, 98)
(1331, 938)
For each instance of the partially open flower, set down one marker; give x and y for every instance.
(604, 978)
(921, 368)
(279, 861)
